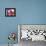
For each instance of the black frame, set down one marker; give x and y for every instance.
(14, 12)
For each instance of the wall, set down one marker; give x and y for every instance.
(7, 24)
(27, 12)
(31, 11)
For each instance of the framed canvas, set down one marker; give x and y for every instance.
(10, 12)
(33, 32)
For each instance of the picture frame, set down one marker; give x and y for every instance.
(10, 12)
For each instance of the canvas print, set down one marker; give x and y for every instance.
(10, 12)
(29, 34)
(33, 32)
